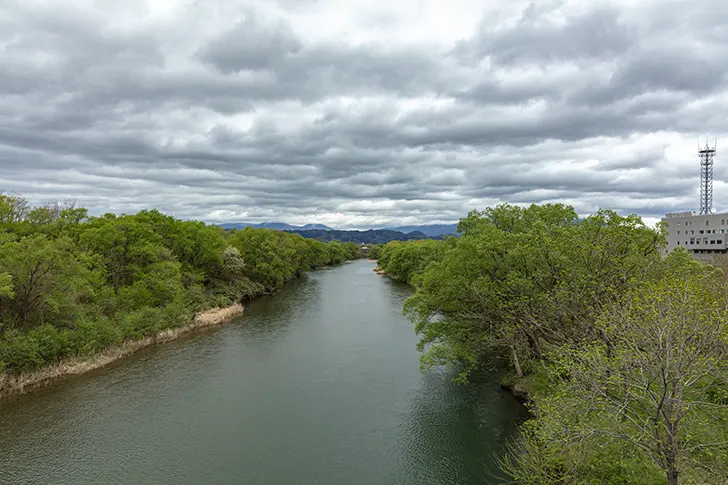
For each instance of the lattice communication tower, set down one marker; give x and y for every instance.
(706, 154)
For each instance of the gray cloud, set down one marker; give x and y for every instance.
(250, 45)
(225, 110)
(536, 37)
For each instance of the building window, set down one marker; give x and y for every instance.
(707, 223)
(678, 223)
(678, 243)
(692, 240)
(701, 231)
(678, 233)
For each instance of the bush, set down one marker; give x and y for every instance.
(19, 352)
(90, 335)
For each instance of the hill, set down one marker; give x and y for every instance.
(278, 226)
(428, 229)
(371, 236)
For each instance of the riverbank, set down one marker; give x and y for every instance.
(298, 367)
(28, 381)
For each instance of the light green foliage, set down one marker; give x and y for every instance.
(339, 252)
(74, 285)
(6, 286)
(520, 281)
(273, 257)
(621, 350)
(13, 209)
(651, 385)
(50, 280)
(375, 250)
(550, 458)
(406, 261)
(649, 406)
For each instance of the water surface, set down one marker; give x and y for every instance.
(318, 384)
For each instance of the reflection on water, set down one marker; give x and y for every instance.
(456, 432)
(317, 384)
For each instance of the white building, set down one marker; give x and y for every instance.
(703, 235)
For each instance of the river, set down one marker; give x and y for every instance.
(318, 384)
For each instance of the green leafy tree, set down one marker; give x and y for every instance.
(6, 285)
(520, 281)
(669, 350)
(51, 280)
(658, 393)
(13, 209)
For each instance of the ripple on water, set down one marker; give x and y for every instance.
(317, 384)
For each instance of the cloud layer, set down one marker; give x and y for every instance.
(359, 114)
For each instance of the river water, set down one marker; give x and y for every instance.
(318, 384)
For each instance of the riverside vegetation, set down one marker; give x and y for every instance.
(621, 350)
(74, 286)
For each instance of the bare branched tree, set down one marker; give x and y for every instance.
(655, 389)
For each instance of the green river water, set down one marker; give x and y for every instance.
(318, 384)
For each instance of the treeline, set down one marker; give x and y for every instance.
(73, 285)
(621, 349)
(370, 236)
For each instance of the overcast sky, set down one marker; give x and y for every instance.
(360, 113)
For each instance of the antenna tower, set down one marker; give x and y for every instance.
(706, 154)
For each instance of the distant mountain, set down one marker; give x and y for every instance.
(428, 229)
(310, 227)
(371, 236)
(278, 226)
(416, 232)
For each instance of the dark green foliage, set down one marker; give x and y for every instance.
(74, 285)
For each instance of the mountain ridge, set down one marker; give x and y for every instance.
(430, 230)
(368, 236)
(278, 226)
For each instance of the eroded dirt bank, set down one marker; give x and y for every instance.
(11, 384)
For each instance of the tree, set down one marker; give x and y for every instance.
(520, 281)
(6, 285)
(662, 386)
(50, 279)
(73, 285)
(13, 209)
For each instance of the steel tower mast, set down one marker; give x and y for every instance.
(706, 154)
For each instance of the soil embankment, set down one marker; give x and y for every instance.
(19, 383)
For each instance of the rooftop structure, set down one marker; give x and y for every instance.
(704, 234)
(706, 155)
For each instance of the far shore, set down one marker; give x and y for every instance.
(25, 382)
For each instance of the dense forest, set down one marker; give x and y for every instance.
(73, 285)
(621, 350)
